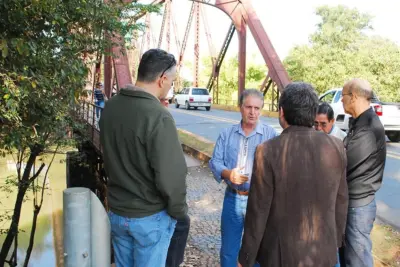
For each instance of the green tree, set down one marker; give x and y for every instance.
(340, 26)
(341, 49)
(46, 49)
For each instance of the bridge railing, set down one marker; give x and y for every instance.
(89, 114)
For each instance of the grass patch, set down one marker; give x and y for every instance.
(197, 142)
(386, 245)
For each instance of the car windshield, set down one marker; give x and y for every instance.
(375, 98)
(199, 91)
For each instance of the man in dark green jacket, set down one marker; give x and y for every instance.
(145, 165)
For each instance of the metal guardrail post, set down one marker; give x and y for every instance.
(100, 233)
(86, 230)
(76, 213)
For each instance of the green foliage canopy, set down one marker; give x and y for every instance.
(341, 49)
(46, 50)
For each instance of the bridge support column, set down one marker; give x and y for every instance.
(241, 30)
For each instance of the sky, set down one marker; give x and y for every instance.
(287, 23)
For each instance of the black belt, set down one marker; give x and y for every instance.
(233, 190)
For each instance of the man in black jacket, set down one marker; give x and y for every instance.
(366, 155)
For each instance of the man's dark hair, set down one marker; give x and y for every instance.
(153, 64)
(325, 108)
(299, 103)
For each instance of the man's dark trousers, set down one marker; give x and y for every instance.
(177, 246)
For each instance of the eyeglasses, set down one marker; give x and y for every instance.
(320, 124)
(350, 94)
(170, 65)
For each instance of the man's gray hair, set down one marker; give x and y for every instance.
(251, 92)
(360, 87)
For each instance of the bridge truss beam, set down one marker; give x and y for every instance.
(242, 15)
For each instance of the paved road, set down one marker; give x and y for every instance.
(210, 123)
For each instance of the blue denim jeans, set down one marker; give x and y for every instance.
(338, 261)
(232, 225)
(98, 110)
(143, 241)
(358, 249)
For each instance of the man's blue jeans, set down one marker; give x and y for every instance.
(232, 224)
(338, 261)
(143, 241)
(98, 110)
(358, 249)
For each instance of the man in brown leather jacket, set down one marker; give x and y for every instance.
(297, 206)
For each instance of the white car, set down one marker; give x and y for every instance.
(193, 97)
(389, 113)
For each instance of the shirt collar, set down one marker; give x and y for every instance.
(258, 129)
(333, 127)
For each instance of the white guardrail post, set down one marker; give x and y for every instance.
(87, 241)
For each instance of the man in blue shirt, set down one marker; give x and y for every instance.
(232, 161)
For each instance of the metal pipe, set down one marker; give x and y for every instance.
(196, 46)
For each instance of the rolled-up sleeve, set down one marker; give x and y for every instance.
(216, 163)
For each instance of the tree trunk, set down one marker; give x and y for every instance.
(23, 185)
(32, 236)
(13, 231)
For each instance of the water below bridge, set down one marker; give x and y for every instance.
(48, 246)
(47, 249)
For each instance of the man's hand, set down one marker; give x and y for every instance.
(239, 265)
(236, 178)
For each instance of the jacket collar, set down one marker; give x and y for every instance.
(137, 92)
(363, 119)
(295, 128)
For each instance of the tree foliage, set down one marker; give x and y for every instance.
(341, 49)
(46, 50)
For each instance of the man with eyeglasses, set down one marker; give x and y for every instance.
(366, 156)
(146, 168)
(325, 121)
